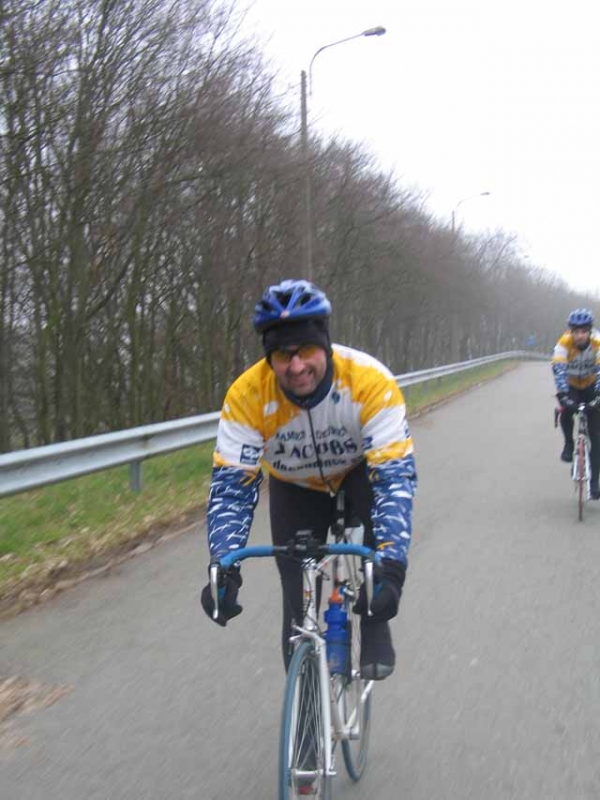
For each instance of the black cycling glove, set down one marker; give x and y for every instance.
(388, 577)
(229, 584)
(566, 401)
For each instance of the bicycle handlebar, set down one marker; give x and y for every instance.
(581, 407)
(299, 548)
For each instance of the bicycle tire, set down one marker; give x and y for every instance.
(355, 750)
(302, 738)
(581, 477)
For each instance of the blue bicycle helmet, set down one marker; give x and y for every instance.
(581, 318)
(290, 301)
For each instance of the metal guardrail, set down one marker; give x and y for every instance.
(22, 470)
(40, 466)
(422, 375)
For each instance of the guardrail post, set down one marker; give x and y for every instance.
(135, 476)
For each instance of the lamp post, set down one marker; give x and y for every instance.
(378, 31)
(464, 200)
(308, 225)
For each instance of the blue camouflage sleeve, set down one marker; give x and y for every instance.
(231, 502)
(394, 484)
(559, 369)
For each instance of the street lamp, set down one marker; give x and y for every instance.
(464, 200)
(378, 31)
(308, 226)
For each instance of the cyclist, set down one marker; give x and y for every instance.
(576, 368)
(319, 417)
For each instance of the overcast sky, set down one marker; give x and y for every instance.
(462, 97)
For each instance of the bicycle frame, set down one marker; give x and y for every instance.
(581, 473)
(334, 729)
(332, 713)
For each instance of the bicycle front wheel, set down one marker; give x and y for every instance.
(303, 740)
(581, 477)
(354, 693)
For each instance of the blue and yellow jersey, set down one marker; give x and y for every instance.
(363, 416)
(574, 367)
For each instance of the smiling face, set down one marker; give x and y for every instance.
(299, 369)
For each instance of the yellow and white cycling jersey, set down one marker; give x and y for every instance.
(362, 417)
(574, 367)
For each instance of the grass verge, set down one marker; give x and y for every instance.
(422, 397)
(50, 536)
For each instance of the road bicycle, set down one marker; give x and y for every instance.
(326, 702)
(581, 471)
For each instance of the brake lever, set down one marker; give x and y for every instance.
(369, 584)
(214, 588)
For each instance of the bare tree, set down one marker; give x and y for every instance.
(151, 185)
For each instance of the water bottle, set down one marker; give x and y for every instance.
(336, 635)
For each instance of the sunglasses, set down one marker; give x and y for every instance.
(305, 351)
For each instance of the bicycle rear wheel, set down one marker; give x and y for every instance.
(353, 694)
(303, 740)
(581, 476)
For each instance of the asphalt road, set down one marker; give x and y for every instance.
(497, 692)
